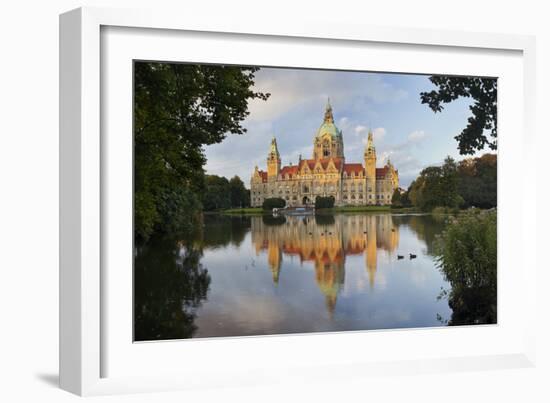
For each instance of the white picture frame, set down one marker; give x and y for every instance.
(83, 176)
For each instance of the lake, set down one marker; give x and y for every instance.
(258, 275)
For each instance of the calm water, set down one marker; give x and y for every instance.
(266, 275)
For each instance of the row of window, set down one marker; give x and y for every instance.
(319, 174)
(344, 197)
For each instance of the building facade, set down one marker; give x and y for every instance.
(326, 174)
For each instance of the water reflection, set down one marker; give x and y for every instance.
(170, 284)
(326, 241)
(267, 275)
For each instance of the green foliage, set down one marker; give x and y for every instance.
(359, 209)
(240, 196)
(477, 182)
(274, 202)
(178, 109)
(483, 91)
(436, 187)
(246, 210)
(467, 256)
(179, 209)
(324, 202)
(220, 193)
(470, 183)
(400, 198)
(216, 193)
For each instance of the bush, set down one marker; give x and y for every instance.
(445, 210)
(180, 211)
(274, 202)
(467, 257)
(400, 198)
(324, 202)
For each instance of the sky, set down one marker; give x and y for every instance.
(406, 131)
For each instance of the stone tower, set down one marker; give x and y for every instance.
(328, 141)
(370, 164)
(273, 161)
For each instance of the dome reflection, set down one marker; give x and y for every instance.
(326, 241)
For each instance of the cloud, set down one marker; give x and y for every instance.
(403, 156)
(343, 123)
(298, 88)
(416, 136)
(360, 129)
(294, 113)
(379, 133)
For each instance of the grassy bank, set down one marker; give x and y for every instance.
(355, 209)
(246, 210)
(345, 209)
(339, 209)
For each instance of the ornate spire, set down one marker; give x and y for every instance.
(273, 150)
(369, 149)
(328, 113)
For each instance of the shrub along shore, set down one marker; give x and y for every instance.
(339, 209)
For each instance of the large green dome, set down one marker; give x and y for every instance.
(328, 126)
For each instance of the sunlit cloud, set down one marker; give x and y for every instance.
(387, 104)
(417, 135)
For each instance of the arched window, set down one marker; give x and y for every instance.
(326, 148)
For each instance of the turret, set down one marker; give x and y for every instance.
(328, 113)
(273, 161)
(370, 169)
(394, 175)
(370, 157)
(328, 141)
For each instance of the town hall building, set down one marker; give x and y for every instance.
(326, 174)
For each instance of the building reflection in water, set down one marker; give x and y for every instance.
(326, 241)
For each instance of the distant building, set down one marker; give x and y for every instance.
(326, 174)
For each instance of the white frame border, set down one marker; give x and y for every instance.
(80, 164)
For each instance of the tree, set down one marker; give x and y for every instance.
(178, 109)
(436, 187)
(400, 198)
(449, 184)
(274, 202)
(239, 195)
(483, 91)
(477, 181)
(324, 202)
(216, 193)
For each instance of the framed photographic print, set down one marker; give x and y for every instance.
(236, 199)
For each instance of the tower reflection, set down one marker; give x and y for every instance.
(326, 241)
